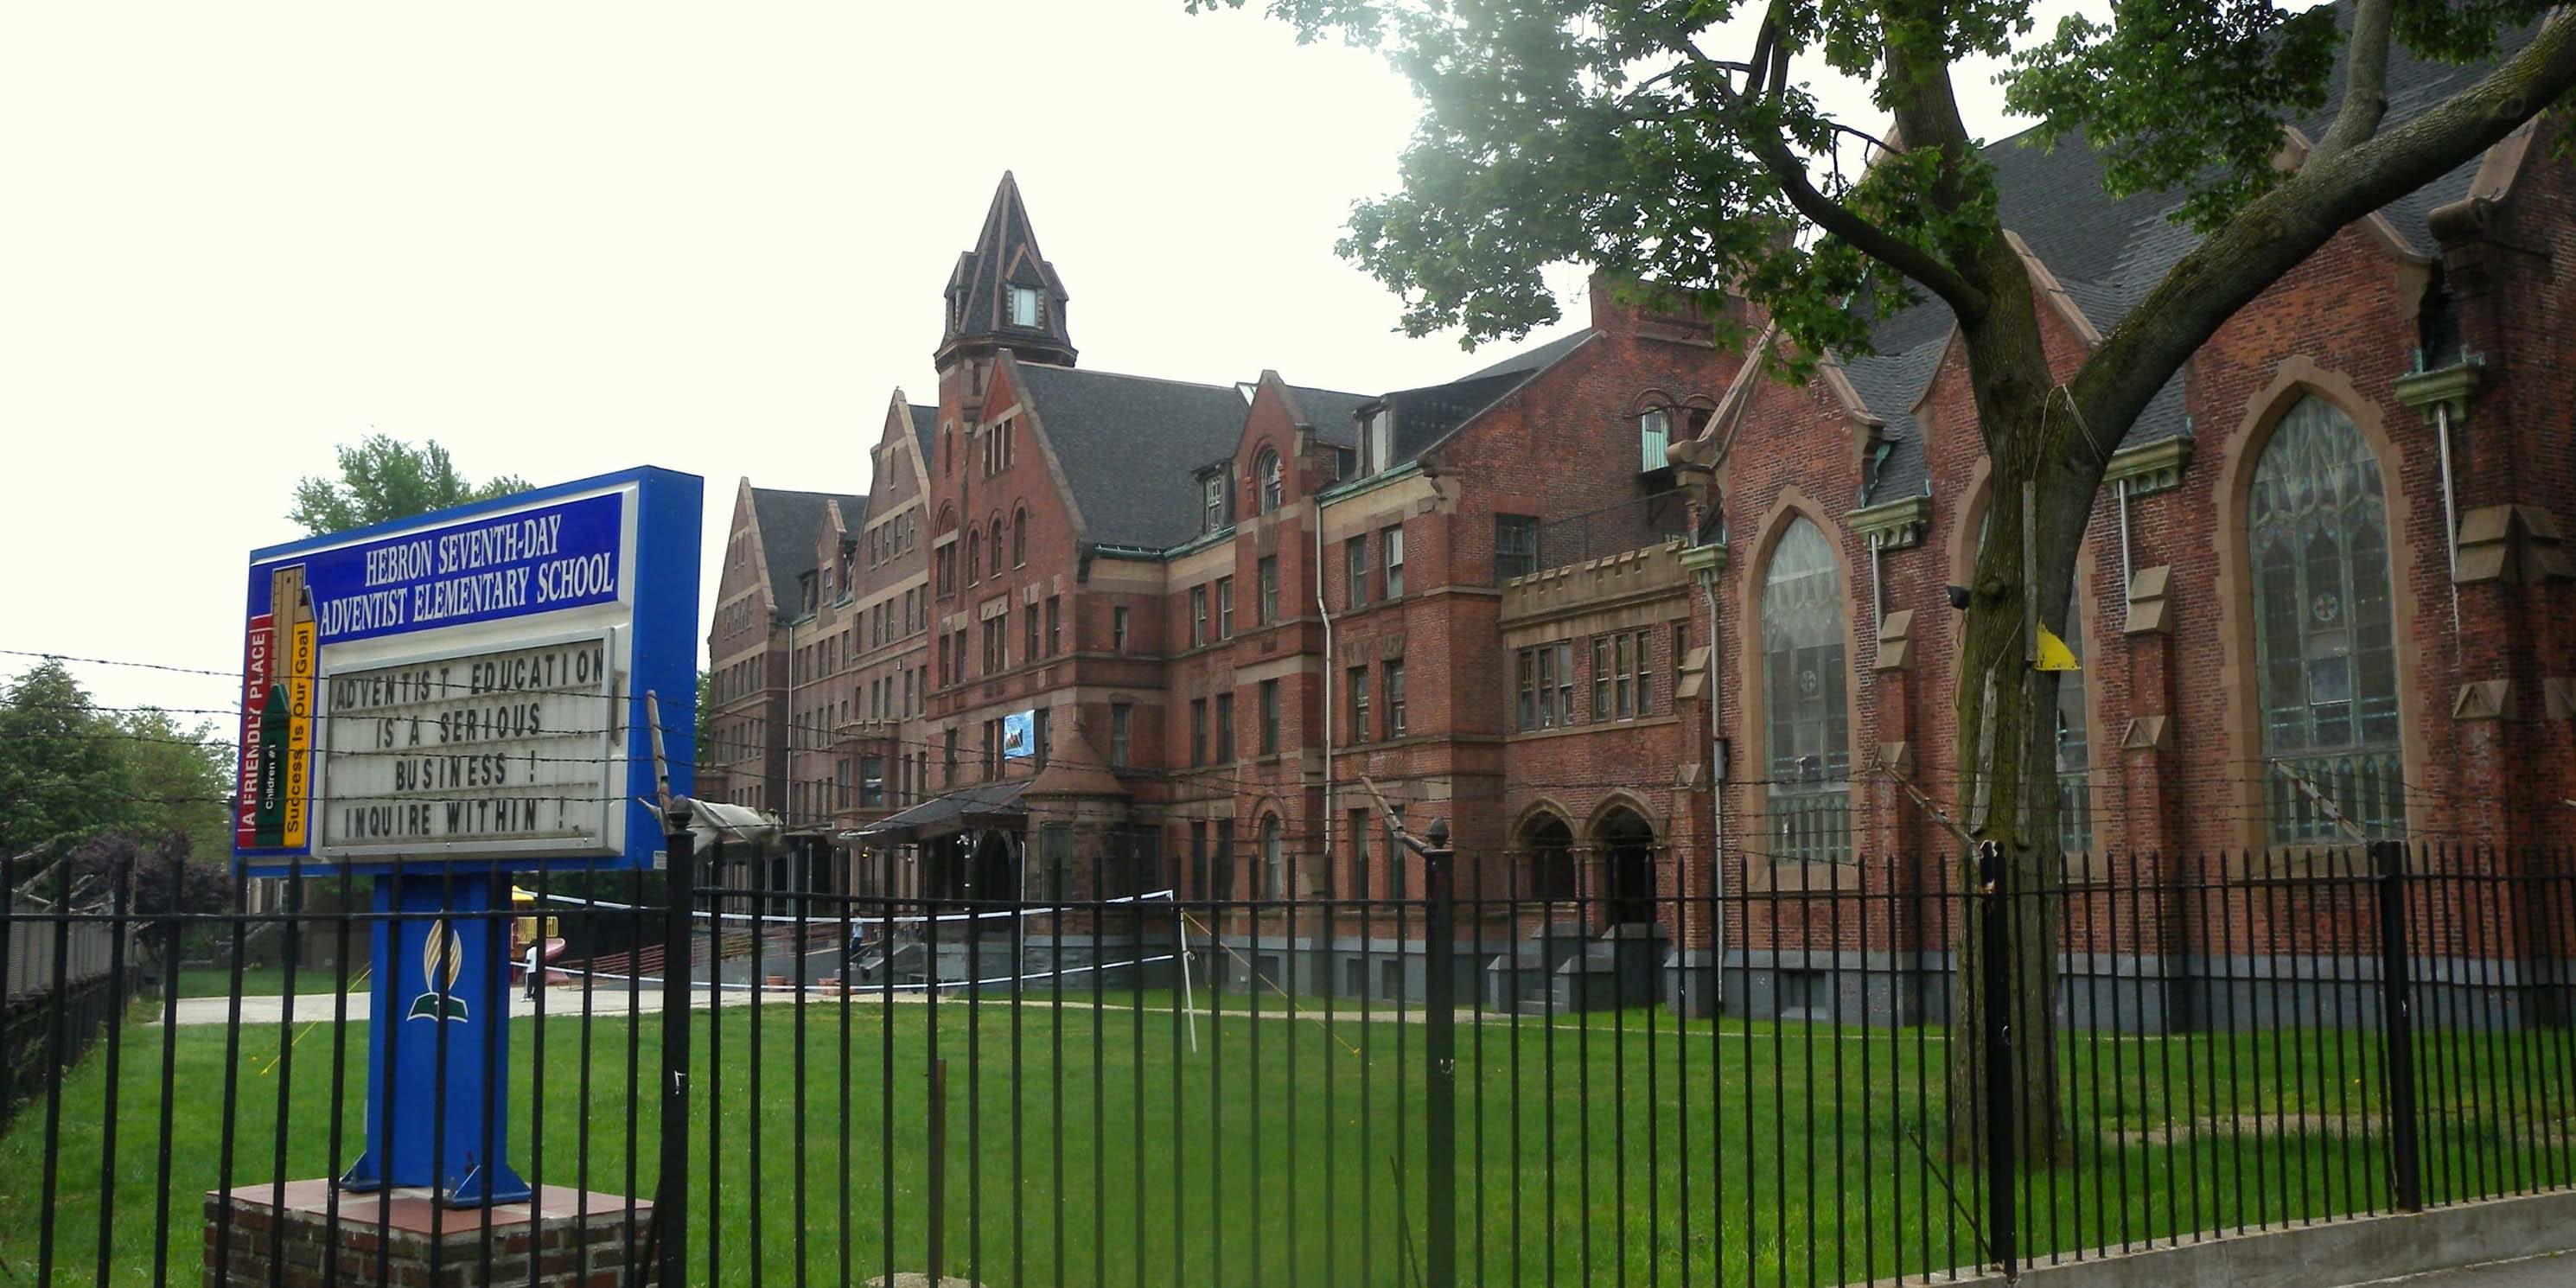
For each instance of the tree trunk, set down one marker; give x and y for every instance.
(2002, 769)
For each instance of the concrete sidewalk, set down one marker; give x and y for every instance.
(2555, 1271)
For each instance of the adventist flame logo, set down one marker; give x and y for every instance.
(442, 959)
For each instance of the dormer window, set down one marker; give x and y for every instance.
(1377, 441)
(1212, 502)
(1654, 434)
(1025, 306)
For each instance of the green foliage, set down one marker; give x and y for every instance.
(384, 478)
(61, 776)
(1638, 138)
(70, 772)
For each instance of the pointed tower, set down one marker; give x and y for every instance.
(1002, 295)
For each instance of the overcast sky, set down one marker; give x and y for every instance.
(572, 237)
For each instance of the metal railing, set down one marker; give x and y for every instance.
(1845, 1072)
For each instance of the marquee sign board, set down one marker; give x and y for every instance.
(468, 684)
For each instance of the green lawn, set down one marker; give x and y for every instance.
(1284, 1151)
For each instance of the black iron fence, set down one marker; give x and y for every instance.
(1643, 1070)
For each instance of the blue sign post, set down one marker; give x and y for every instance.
(436, 703)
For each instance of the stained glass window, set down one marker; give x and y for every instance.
(1805, 715)
(2324, 634)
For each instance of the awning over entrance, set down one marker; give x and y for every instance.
(985, 804)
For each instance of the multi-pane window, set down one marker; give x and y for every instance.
(1515, 546)
(1225, 728)
(1359, 825)
(1198, 616)
(2074, 748)
(1029, 634)
(1054, 625)
(1122, 720)
(997, 645)
(1212, 502)
(1270, 476)
(1358, 686)
(1225, 608)
(1118, 629)
(1545, 686)
(1198, 731)
(1268, 607)
(1274, 858)
(1394, 699)
(1806, 719)
(1019, 535)
(1355, 569)
(2324, 636)
(1269, 717)
(1391, 542)
(1601, 677)
(1223, 859)
(1026, 306)
(1654, 434)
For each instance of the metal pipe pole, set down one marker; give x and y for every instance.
(671, 1196)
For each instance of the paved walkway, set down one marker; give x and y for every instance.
(2536, 1272)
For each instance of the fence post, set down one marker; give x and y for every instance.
(2397, 1024)
(1994, 956)
(1440, 1062)
(671, 1196)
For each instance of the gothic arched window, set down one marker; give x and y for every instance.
(2325, 641)
(1019, 537)
(1806, 720)
(1274, 859)
(1267, 473)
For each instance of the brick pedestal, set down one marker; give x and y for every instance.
(579, 1240)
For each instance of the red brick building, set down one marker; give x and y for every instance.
(2268, 592)
(1224, 618)
(1216, 610)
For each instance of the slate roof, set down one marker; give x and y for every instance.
(789, 524)
(925, 426)
(1129, 445)
(2107, 253)
(1005, 254)
(1331, 413)
(1536, 357)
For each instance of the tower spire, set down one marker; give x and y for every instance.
(1003, 293)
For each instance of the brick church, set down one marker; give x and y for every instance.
(1093, 634)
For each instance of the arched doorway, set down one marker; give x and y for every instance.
(1549, 844)
(994, 870)
(1627, 844)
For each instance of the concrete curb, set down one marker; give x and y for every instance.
(2367, 1249)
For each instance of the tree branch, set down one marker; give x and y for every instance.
(2278, 230)
(1772, 149)
(2365, 89)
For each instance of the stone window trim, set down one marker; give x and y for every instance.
(2293, 379)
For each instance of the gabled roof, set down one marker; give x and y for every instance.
(1129, 446)
(1005, 254)
(790, 523)
(2108, 252)
(1331, 413)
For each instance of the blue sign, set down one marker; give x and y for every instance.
(1019, 735)
(438, 1044)
(475, 570)
(469, 686)
(438, 702)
